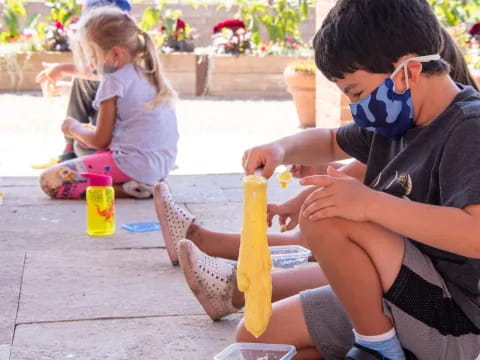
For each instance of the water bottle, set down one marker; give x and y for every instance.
(100, 205)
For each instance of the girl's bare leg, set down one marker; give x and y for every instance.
(287, 283)
(213, 281)
(226, 245)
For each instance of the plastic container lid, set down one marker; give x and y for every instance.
(246, 351)
(288, 251)
(289, 256)
(285, 257)
(97, 179)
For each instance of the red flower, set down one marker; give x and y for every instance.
(232, 24)
(59, 25)
(475, 30)
(180, 24)
(75, 19)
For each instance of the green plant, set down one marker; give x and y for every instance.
(13, 11)
(166, 27)
(62, 14)
(456, 12)
(280, 18)
(12, 32)
(63, 11)
(303, 66)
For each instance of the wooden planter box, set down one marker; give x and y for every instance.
(246, 76)
(180, 69)
(20, 74)
(221, 75)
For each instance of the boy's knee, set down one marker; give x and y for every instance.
(324, 231)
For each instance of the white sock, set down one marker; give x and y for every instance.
(386, 344)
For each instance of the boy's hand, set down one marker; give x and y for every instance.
(70, 126)
(268, 156)
(339, 196)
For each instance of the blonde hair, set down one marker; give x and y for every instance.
(105, 27)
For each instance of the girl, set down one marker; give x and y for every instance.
(136, 132)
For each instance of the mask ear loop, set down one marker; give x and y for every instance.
(405, 67)
(397, 70)
(404, 64)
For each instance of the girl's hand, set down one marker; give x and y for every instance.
(69, 126)
(301, 171)
(289, 210)
(268, 156)
(339, 196)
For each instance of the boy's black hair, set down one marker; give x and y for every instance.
(372, 35)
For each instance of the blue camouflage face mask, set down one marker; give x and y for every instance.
(384, 111)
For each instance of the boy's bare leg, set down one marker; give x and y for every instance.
(361, 262)
(227, 245)
(287, 326)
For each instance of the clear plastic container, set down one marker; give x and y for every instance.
(285, 257)
(247, 351)
(289, 256)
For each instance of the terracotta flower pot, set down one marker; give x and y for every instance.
(301, 85)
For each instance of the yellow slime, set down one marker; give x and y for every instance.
(284, 178)
(254, 262)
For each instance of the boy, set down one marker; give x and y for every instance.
(402, 252)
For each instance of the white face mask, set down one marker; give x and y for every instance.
(107, 68)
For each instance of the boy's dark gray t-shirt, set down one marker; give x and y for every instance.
(438, 164)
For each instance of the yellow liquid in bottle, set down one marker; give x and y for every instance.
(100, 210)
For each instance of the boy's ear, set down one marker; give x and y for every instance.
(414, 69)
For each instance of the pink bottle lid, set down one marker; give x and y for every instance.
(97, 179)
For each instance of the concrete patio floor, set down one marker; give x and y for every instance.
(213, 132)
(65, 295)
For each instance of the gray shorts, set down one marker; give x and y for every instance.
(428, 322)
